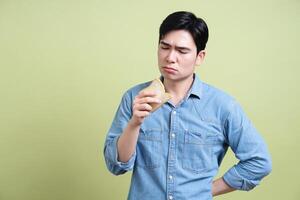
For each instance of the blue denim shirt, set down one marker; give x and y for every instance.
(180, 148)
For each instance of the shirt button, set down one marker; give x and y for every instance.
(174, 112)
(170, 197)
(173, 135)
(170, 177)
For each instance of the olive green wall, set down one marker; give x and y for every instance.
(64, 66)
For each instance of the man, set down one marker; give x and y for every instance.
(176, 151)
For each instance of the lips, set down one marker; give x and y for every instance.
(170, 69)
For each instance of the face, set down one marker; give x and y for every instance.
(177, 55)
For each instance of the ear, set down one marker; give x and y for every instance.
(200, 57)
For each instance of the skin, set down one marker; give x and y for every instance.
(177, 59)
(177, 50)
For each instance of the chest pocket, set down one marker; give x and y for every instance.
(149, 148)
(198, 151)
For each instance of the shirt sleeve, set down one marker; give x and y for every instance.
(120, 121)
(249, 147)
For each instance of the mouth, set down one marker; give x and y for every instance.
(169, 69)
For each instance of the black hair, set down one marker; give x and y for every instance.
(183, 20)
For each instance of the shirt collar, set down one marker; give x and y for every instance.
(196, 89)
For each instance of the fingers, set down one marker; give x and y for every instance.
(142, 107)
(146, 100)
(141, 114)
(146, 93)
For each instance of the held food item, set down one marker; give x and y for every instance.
(157, 86)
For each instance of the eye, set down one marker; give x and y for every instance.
(164, 47)
(183, 52)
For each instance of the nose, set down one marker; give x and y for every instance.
(171, 57)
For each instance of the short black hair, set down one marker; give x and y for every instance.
(183, 20)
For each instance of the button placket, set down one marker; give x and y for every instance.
(172, 156)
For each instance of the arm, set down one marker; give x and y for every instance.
(219, 187)
(128, 139)
(120, 144)
(249, 148)
(127, 142)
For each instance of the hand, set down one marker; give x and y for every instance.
(141, 107)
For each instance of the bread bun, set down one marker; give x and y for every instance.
(157, 86)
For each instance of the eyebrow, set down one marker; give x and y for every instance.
(176, 47)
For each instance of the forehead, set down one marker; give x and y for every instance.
(179, 38)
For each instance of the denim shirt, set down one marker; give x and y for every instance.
(180, 148)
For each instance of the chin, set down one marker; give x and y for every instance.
(170, 77)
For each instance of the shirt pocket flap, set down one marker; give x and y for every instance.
(154, 134)
(201, 137)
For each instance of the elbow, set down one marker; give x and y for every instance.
(267, 167)
(251, 177)
(113, 168)
(263, 169)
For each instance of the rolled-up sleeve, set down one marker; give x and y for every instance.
(120, 121)
(249, 148)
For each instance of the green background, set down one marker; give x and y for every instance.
(64, 66)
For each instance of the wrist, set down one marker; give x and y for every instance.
(133, 124)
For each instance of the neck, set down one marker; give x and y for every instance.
(179, 88)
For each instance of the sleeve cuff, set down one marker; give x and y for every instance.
(114, 157)
(236, 181)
